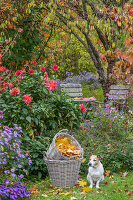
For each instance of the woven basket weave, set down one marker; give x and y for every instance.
(63, 173)
(64, 170)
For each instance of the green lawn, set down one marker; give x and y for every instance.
(114, 187)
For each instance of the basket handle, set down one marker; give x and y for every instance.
(63, 130)
(45, 154)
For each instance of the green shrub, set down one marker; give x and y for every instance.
(117, 155)
(36, 147)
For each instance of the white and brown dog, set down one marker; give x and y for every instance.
(95, 170)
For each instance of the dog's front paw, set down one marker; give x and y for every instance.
(91, 186)
(97, 186)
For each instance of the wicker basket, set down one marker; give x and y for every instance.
(63, 173)
(64, 170)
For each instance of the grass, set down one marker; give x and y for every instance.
(113, 187)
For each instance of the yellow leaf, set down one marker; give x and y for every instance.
(61, 193)
(66, 147)
(82, 183)
(87, 189)
(107, 172)
(113, 45)
(67, 193)
(84, 159)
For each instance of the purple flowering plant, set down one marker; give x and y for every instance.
(84, 77)
(12, 158)
(11, 190)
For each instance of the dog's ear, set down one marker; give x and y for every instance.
(90, 154)
(99, 157)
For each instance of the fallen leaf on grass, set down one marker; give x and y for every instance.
(73, 198)
(87, 189)
(112, 182)
(34, 190)
(126, 185)
(82, 183)
(83, 192)
(111, 177)
(106, 183)
(129, 193)
(61, 193)
(44, 195)
(119, 189)
(107, 173)
(67, 193)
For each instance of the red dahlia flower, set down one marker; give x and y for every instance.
(46, 75)
(31, 71)
(51, 85)
(55, 67)
(82, 107)
(43, 68)
(14, 91)
(27, 98)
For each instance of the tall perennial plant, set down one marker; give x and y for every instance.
(29, 98)
(13, 159)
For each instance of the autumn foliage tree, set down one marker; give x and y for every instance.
(23, 32)
(104, 28)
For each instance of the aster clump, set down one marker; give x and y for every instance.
(11, 190)
(12, 158)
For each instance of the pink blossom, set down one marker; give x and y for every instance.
(130, 112)
(107, 105)
(55, 67)
(20, 30)
(43, 68)
(2, 68)
(82, 107)
(31, 71)
(110, 104)
(107, 94)
(15, 91)
(2, 90)
(27, 98)
(10, 85)
(34, 62)
(51, 85)
(46, 75)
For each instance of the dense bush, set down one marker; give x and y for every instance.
(28, 98)
(36, 147)
(117, 155)
(106, 131)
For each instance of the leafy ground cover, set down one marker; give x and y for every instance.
(114, 187)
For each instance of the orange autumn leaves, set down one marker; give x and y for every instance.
(66, 147)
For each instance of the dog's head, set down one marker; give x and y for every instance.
(94, 160)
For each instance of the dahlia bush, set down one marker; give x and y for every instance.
(29, 98)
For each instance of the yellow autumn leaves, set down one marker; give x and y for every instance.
(66, 147)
